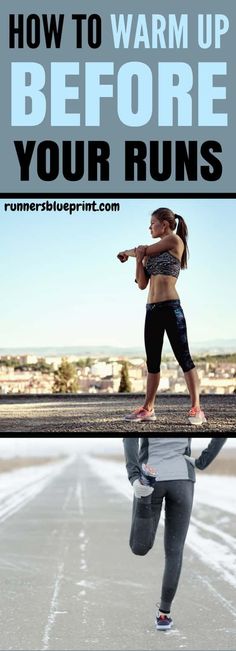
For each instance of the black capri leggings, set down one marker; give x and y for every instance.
(169, 316)
(178, 496)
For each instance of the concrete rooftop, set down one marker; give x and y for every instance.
(105, 413)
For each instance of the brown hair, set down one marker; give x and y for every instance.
(165, 214)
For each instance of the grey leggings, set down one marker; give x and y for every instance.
(178, 497)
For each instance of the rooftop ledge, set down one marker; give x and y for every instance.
(105, 413)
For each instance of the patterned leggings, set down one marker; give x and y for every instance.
(168, 316)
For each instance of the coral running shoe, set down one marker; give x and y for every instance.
(163, 622)
(141, 414)
(196, 416)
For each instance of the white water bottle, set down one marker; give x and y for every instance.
(149, 475)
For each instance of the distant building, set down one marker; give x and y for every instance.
(28, 359)
(218, 385)
(164, 384)
(180, 387)
(110, 384)
(104, 376)
(101, 369)
(25, 382)
(55, 362)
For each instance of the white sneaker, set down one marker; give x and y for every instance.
(163, 622)
(196, 416)
(141, 414)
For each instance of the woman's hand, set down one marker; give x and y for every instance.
(190, 460)
(140, 253)
(140, 490)
(122, 256)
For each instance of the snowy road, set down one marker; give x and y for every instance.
(69, 581)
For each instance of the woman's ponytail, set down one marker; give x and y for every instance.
(182, 231)
(165, 214)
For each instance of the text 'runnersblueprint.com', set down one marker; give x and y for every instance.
(60, 206)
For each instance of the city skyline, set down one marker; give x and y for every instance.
(63, 286)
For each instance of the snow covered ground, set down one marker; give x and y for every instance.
(208, 536)
(19, 487)
(78, 508)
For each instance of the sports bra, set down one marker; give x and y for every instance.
(165, 264)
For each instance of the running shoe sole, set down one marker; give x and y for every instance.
(140, 420)
(194, 421)
(164, 627)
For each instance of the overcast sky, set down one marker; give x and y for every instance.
(47, 446)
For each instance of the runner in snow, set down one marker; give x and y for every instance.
(171, 460)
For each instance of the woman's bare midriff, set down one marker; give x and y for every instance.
(162, 288)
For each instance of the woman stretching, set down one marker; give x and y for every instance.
(160, 265)
(175, 476)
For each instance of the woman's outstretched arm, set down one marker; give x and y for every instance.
(210, 453)
(168, 242)
(127, 253)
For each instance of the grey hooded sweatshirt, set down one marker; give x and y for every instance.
(166, 455)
